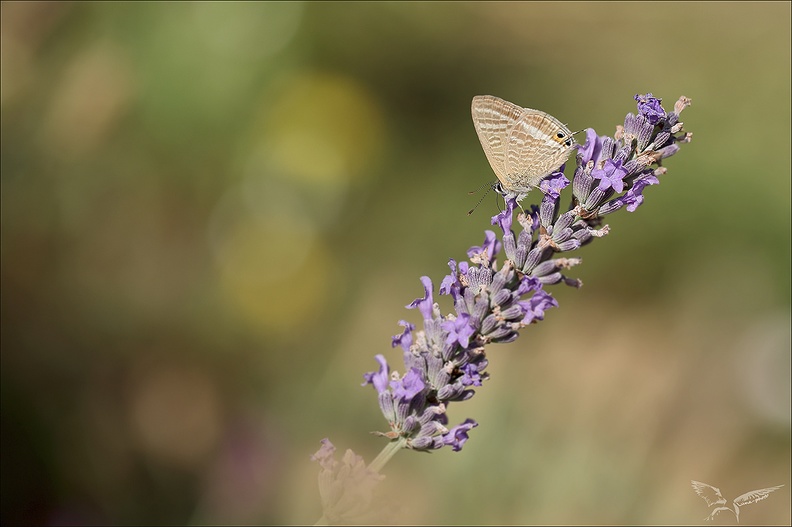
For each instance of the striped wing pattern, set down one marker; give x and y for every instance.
(533, 151)
(519, 143)
(493, 118)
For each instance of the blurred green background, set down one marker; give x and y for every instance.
(214, 214)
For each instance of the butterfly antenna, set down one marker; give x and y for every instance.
(491, 186)
(481, 187)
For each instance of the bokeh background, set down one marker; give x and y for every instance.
(213, 215)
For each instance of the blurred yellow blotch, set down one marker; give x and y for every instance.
(315, 135)
(322, 128)
(262, 280)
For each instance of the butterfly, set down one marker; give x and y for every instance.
(523, 146)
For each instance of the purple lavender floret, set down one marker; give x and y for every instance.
(610, 175)
(409, 386)
(405, 339)
(424, 304)
(457, 436)
(650, 108)
(378, 379)
(459, 330)
(554, 183)
(494, 301)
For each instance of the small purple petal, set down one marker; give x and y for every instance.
(408, 386)
(592, 149)
(504, 218)
(471, 375)
(610, 176)
(534, 215)
(491, 245)
(457, 436)
(646, 180)
(459, 330)
(554, 183)
(650, 108)
(379, 379)
(426, 303)
(405, 339)
(450, 281)
(633, 201)
(527, 283)
(634, 197)
(536, 306)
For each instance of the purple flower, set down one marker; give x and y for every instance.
(632, 200)
(471, 375)
(426, 304)
(650, 108)
(408, 386)
(378, 379)
(554, 183)
(459, 330)
(610, 176)
(527, 284)
(451, 284)
(592, 149)
(533, 215)
(405, 339)
(458, 436)
(490, 247)
(634, 197)
(504, 219)
(535, 308)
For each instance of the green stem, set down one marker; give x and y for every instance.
(388, 452)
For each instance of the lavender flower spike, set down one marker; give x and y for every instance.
(445, 360)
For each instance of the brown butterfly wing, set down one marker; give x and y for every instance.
(493, 118)
(533, 151)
